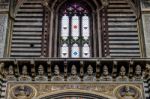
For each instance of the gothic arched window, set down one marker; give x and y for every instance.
(74, 31)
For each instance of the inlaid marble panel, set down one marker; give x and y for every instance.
(45, 90)
(3, 29)
(146, 27)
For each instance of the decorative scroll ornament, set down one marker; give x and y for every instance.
(23, 92)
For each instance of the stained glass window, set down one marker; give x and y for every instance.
(85, 27)
(86, 51)
(75, 53)
(64, 51)
(75, 31)
(75, 27)
(65, 27)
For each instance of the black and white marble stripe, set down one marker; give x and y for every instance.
(3, 89)
(146, 89)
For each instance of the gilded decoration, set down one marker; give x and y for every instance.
(128, 92)
(22, 91)
(108, 90)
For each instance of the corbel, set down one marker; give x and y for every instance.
(49, 70)
(17, 71)
(98, 69)
(131, 63)
(81, 70)
(114, 70)
(33, 72)
(65, 70)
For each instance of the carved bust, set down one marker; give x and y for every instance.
(122, 76)
(10, 75)
(89, 76)
(57, 76)
(23, 92)
(74, 76)
(105, 76)
(138, 73)
(25, 76)
(41, 76)
(128, 94)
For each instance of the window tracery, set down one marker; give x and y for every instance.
(75, 32)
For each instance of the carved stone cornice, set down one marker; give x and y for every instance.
(131, 70)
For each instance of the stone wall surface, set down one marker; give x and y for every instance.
(146, 25)
(145, 7)
(3, 30)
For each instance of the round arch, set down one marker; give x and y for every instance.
(74, 93)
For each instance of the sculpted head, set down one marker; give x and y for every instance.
(127, 88)
(21, 91)
(73, 70)
(90, 70)
(1, 64)
(24, 70)
(122, 71)
(138, 70)
(10, 70)
(56, 70)
(41, 70)
(105, 70)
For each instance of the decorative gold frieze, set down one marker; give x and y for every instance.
(107, 90)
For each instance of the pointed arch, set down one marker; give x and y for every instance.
(135, 7)
(92, 3)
